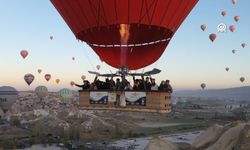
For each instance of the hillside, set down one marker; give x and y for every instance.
(237, 93)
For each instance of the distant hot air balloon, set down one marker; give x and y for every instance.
(98, 67)
(24, 53)
(51, 37)
(47, 77)
(223, 13)
(237, 18)
(233, 51)
(65, 94)
(83, 77)
(29, 78)
(8, 96)
(242, 79)
(41, 92)
(72, 83)
(73, 58)
(203, 27)
(39, 70)
(227, 69)
(232, 28)
(243, 45)
(203, 85)
(212, 37)
(234, 1)
(57, 81)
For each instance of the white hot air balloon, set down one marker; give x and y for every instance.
(8, 96)
(66, 95)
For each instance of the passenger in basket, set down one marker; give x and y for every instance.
(118, 84)
(84, 86)
(168, 86)
(128, 86)
(154, 86)
(136, 86)
(148, 84)
(162, 86)
(112, 84)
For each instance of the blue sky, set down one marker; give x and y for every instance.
(189, 60)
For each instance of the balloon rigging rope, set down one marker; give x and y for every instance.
(129, 45)
(89, 61)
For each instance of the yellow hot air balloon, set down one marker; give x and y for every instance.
(41, 92)
(57, 81)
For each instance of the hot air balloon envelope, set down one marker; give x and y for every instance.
(243, 45)
(8, 96)
(237, 18)
(223, 13)
(203, 27)
(232, 28)
(47, 77)
(242, 79)
(65, 94)
(24, 53)
(212, 37)
(39, 70)
(57, 81)
(41, 91)
(203, 85)
(29, 78)
(149, 25)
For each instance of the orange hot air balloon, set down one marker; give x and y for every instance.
(234, 1)
(242, 79)
(98, 67)
(232, 28)
(47, 77)
(29, 78)
(39, 70)
(243, 45)
(223, 13)
(233, 51)
(51, 37)
(212, 37)
(203, 27)
(203, 85)
(24, 53)
(237, 18)
(227, 69)
(57, 81)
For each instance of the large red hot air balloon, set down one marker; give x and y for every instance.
(113, 27)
